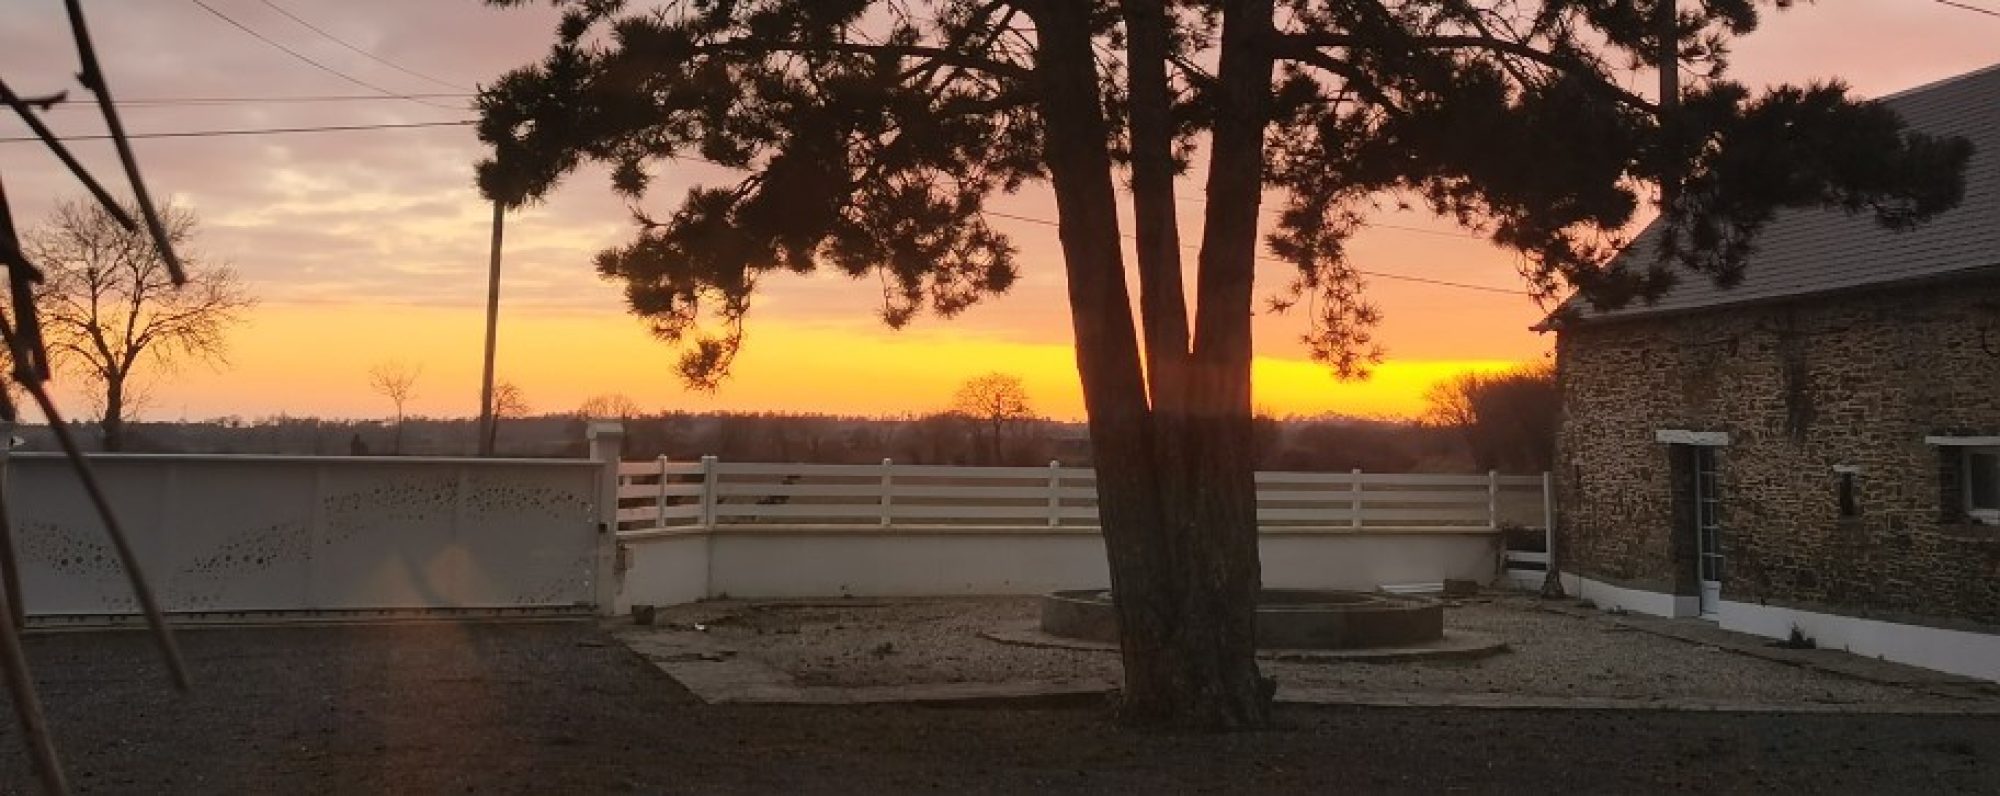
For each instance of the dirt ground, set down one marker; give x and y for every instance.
(897, 642)
(562, 708)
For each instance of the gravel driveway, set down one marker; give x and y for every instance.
(562, 708)
(894, 642)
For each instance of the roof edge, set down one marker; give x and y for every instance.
(1974, 273)
(1940, 82)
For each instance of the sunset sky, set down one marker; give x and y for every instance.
(369, 246)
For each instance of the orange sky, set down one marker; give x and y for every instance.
(371, 246)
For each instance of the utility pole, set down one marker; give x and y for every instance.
(488, 424)
(1667, 21)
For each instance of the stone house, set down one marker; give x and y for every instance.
(1816, 450)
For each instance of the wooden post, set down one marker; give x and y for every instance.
(1354, 491)
(1055, 493)
(1666, 23)
(660, 500)
(1493, 499)
(888, 481)
(1548, 517)
(489, 424)
(708, 501)
(10, 572)
(1551, 578)
(606, 442)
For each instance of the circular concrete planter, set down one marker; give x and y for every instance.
(1293, 619)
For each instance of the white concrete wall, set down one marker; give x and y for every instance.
(1954, 651)
(806, 562)
(300, 533)
(1639, 601)
(903, 563)
(663, 568)
(1368, 560)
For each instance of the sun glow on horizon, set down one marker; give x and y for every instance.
(313, 359)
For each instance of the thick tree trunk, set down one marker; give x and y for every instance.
(113, 424)
(1222, 573)
(1186, 621)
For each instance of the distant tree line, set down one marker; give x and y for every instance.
(1325, 444)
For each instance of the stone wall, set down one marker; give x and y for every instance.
(1855, 380)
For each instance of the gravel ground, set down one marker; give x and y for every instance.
(561, 708)
(868, 643)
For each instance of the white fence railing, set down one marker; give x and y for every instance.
(711, 493)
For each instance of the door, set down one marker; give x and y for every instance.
(1707, 515)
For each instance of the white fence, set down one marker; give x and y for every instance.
(713, 494)
(694, 530)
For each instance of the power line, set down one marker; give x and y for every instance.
(1377, 225)
(364, 53)
(467, 123)
(1968, 7)
(315, 64)
(158, 102)
(1377, 274)
(329, 128)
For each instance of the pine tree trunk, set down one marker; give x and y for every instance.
(1222, 573)
(1183, 579)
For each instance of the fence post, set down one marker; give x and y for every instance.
(660, 500)
(888, 480)
(1055, 493)
(709, 477)
(1493, 498)
(1548, 522)
(606, 442)
(1355, 500)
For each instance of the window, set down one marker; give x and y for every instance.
(1968, 478)
(1982, 484)
(1849, 507)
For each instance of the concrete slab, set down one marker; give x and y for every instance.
(1499, 701)
(1831, 661)
(718, 673)
(1456, 645)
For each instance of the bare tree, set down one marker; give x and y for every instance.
(609, 406)
(1508, 419)
(508, 402)
(109, 307)
(993, 400)
(396, 381)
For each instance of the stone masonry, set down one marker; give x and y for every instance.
(1854, 380)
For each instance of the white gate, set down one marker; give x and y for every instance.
(286, 534)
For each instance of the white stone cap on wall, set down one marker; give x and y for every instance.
(1677, 436)
(1963, 442)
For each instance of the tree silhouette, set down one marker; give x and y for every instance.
(109, 307)
(1508, 419)
(396, 381)
(993, 400)
(508, 402)
(609, 406)
(874, 133)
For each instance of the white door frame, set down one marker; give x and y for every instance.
(1705, 492)
(1707, 514)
